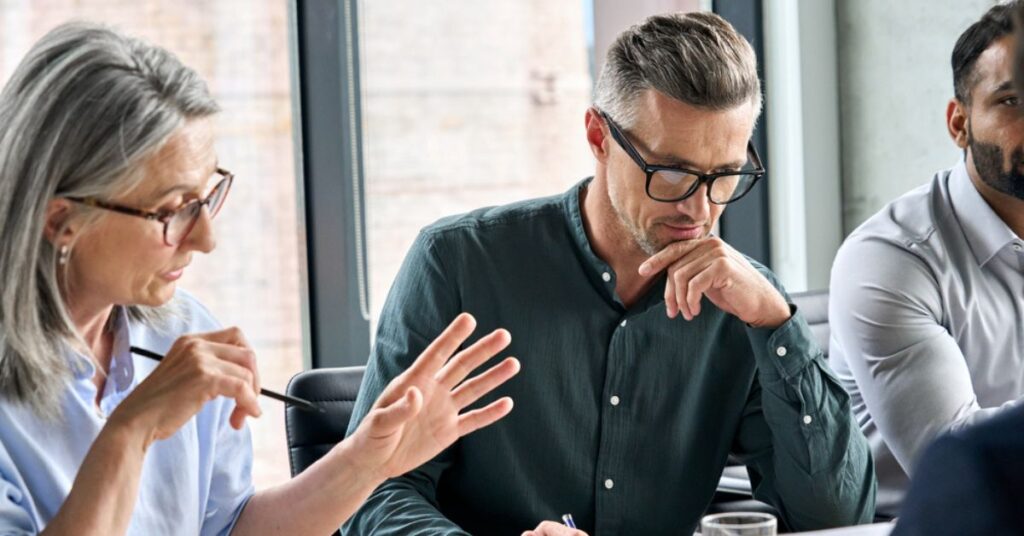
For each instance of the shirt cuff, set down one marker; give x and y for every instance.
(783, 352)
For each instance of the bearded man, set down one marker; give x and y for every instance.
(928, 295)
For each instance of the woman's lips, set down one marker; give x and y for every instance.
(174, 275)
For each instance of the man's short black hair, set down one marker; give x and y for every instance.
(1018, 56)
(996, 23)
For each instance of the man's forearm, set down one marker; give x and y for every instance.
(399, 508)
(822, 467)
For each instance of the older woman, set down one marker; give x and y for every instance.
(108, 184)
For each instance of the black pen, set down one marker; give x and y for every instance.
(298, 402)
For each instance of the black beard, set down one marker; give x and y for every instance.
(988, 160)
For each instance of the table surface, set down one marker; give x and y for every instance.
(878, 529)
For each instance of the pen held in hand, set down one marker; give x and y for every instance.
(298, 402)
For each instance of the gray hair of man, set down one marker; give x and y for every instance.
(80, 116)
(696, 58)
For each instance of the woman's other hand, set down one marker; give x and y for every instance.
(197, 369)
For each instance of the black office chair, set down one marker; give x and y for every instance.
(813, 304)
(311, 435)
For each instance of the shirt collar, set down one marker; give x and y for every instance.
(986, 233)
(600, 273)
(122, 368)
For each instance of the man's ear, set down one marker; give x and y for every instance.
(956, 122)
(595, 134)
(57, 228)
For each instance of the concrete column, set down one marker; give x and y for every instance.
(803, 140)
(894, 82)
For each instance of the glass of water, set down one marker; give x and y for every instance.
(738, 524)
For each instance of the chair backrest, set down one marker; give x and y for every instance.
(311, 435)
(813, 304)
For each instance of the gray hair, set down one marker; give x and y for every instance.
(696, 58)
(80, 116)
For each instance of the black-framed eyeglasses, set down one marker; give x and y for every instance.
(178, 223)
(671, 184)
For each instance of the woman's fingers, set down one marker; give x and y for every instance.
(445, 344)
(386, 420)
(233, 338)
(237, 355)
(466, 361)
(219, 369)
(235, 381)
(471, 390)
(472, 421)
(232, 335)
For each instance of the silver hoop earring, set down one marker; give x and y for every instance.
(64, 254)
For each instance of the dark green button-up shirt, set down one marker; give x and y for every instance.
(623, 417)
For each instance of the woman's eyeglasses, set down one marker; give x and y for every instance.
(178, 223)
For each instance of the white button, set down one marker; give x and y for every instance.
(608, 484)
(606, 276)
(1017, 247)
(623, 324)
(780, 351)
(614, 400)
(807, 419)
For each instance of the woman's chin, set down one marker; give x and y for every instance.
(158, 296)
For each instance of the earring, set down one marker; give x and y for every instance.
(64, 254)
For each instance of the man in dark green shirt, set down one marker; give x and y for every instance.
(650, 349)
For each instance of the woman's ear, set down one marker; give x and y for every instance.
(58, 216)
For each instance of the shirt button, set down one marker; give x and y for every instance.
(606, 276)
(608, 484)
(780, 351)
(623, 324)
(1017, 247)
(807, 419)
(614, 400)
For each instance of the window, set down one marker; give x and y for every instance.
(252, 279)
(466, 104)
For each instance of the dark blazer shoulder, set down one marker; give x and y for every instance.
(969, 482)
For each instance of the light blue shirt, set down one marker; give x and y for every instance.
(194, 482)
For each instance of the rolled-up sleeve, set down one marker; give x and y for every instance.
(15, 518)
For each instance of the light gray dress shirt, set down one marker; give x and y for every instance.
(926, 309)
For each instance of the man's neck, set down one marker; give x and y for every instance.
(612, 244)
(1007, 207)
